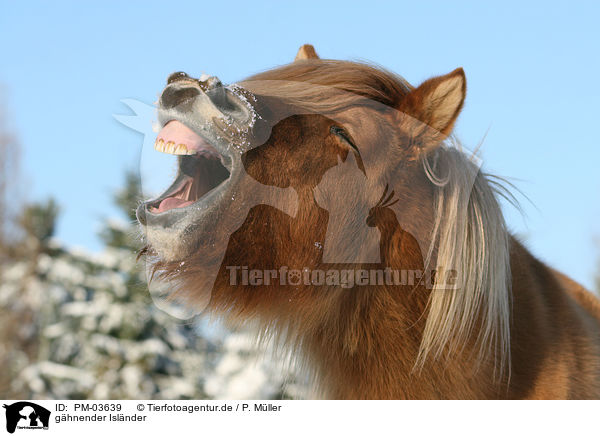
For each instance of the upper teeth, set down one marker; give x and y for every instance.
(172, 148)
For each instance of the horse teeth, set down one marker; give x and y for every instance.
(159, 145)
(171, 148)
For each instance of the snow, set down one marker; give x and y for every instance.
(63, 271)
(99, 337)
(14, 272)
(52, 370)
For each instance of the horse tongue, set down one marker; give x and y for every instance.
(177, 132)
(172, 203)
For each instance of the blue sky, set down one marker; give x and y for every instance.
(532, 72)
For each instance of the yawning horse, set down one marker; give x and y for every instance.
(326, 204)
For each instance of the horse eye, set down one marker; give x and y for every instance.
(338, 131)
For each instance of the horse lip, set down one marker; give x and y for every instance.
(171, 218)
(206, 116)
(226, 154)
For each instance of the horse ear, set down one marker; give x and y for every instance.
(307, 51)
(438, 101)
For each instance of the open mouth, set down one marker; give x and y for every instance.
(202, 168)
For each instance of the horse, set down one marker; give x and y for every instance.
(327, 204)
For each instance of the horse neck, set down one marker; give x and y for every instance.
(368, 350)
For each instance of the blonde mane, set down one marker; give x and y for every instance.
(470, 237)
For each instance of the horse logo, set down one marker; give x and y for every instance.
(26, 415)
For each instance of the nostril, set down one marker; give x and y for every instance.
(172, 97)
(179, 75)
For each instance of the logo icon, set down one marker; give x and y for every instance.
(26, 415)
